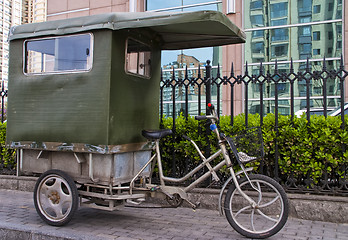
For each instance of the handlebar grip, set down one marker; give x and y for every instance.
(201, 117)
(210, 106)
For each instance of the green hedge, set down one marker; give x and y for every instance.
(7, 156)
(305, 150)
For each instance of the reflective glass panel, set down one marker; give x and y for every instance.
(295, 11)
(58, 54)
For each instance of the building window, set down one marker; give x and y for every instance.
(259, 33)
(257, 20)
(305, 31)
(279, 50)
(256, 5)
(59, 54)
(305, 48)
(330, 35)
(330, 7)
(185, 5)
(279, 10)
(279, 22)
(304, 6)
(138, 59)
(316, 51)
(305, 19)
(316, 8)
(279, 34)
(258, 47)
(316, 35)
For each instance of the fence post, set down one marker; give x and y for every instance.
(3, 95)
(208, 100)
(207, 85)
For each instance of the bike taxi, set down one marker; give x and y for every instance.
(81, 92)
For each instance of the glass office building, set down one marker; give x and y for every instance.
(299, 30)
(190, 58)
(277, 30)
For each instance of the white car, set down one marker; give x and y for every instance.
(337, 111)
(313, 111)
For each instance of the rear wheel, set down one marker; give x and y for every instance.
(55, 197)
(267, 217)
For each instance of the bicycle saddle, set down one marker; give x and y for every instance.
(156, 134)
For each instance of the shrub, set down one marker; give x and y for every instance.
(7, 156)
(306, 151)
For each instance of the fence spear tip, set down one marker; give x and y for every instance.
(232, 70)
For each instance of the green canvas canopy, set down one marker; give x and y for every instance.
(92, 83)
(174, 30)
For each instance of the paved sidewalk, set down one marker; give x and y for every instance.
(19, 220)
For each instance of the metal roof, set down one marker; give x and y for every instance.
(180, 30)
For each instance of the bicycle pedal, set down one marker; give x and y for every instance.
(193, 206)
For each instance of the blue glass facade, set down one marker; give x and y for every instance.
(284, 30)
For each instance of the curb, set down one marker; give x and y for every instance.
(302, 206)
(11, 232)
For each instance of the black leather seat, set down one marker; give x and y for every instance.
(156, 134)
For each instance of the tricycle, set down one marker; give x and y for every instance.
(81, 93)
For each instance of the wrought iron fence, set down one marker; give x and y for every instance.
(310, 83)
(3, 94)
(268, 90)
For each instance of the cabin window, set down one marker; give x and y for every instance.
(59, 54)
(138, 58)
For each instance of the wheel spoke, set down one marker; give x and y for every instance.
(260, 193)
(58, 210)
(270, 202)
(44, 190)
(252, 219)
(265, 216)
(64, 198)
(241, 210)
(57, 185)
(44, 201)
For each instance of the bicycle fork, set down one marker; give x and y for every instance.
(252, 203)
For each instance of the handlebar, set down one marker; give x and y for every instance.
(201, 117)
(213, 115)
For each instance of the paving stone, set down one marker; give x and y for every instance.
(20, 221)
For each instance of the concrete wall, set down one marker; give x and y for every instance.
(302, 206)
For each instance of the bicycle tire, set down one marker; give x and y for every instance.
(271, 215)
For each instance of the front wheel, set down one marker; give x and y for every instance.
(55, 197)
(264, 219)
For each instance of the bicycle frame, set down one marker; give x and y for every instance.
(205, 162)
